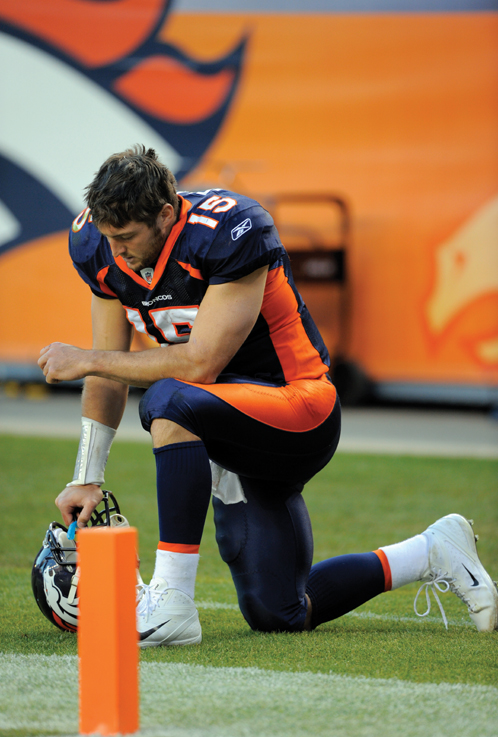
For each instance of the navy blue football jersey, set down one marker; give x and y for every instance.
(219, 237)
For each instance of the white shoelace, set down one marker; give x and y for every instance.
(441, 582)
(143, 598)
(147, 598)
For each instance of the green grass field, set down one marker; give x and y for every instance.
(378, 671)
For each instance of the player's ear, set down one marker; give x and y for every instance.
(167, 215)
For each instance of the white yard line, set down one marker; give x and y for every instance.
(358, 615)
(39, 693)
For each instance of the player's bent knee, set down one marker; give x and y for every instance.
(167, 399)
(268, 601)
(263, 618)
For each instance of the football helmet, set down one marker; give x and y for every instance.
(54, 577)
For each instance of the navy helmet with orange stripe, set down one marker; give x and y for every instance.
(55, 573)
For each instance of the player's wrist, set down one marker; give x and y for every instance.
(89, 359)
(93, 452)
(87, 483)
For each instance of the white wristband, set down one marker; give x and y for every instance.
(95, 444)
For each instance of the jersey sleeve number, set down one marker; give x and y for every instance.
(79, 222)
(214, 204)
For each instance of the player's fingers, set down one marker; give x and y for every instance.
(45, 350)
(68, 506)
(78, 502)
(46, 372)
(68, 513)
(85, 514)
(43, 359)
(50, 379)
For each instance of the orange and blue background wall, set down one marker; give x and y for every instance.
(392, 106)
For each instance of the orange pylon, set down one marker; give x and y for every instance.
(107, 633)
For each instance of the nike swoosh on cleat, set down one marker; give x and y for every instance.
(475, 582)
(148, 633)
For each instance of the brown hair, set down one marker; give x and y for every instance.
(131, 185)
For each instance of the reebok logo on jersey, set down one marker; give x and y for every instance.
(240, 229)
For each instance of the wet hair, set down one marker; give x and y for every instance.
(131, 185)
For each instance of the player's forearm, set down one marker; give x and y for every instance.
(102, 407)
(104, 400)
(195, 361)
(143, 368)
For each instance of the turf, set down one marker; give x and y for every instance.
(356, 504)
(181, 700)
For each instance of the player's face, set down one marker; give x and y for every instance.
(138, 244)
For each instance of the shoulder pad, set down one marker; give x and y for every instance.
(84, 237)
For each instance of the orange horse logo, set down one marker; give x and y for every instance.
(86, 78)
(464, 298)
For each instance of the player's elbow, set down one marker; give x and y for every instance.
(202, 366)
(201, 375)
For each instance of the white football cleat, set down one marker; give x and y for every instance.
(166, 616)
(454, 565)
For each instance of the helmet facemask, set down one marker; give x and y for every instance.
(55, 574)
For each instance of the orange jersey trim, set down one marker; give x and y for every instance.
(136, 277)
(100, 278)
(165, 253)
(290, 340)
(171, 240)
(195, 273)
(299, 406)
(178, 548)
(387, 569)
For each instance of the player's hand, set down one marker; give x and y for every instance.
(78, 502)
(62, 362)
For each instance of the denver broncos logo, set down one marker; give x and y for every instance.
(463, 304)
(95, 80)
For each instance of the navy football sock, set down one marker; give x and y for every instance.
(339, 585)
(183, 491)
